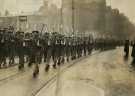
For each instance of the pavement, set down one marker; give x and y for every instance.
(108, 73)
(105, 73)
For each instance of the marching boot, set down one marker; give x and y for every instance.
(36, 71)
(59, 63)
(19, 67)
(67, 59)
(63, 60)
(29, 64)
(22, 65)
(54, 66)
(47, 68)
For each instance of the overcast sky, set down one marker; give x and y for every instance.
(125, 6)
(15, 6)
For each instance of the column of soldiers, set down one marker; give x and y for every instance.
(33, 48)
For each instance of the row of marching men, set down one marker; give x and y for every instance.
(33, 48)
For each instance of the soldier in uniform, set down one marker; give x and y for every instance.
(61, 53)
(133, 54)
(4, 47)
(73, 48)
(50, 48)
(84, 46)
(67, 48)
(27, 41)
(36, 51)
(126, 48)
(55, 48)
(11, 48)
(20, 48)
(45, 45)
(90, 45)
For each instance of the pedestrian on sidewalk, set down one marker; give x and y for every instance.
(126, 48)
(133, 52)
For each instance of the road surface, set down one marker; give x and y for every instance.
(105, 73)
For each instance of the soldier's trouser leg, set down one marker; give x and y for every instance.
(47, 65)
(21, 61)
(11, 62)
(59, 61)
(1, 61)
(31, 61)
(4, 61)
(48, 61)
(36, 69)
(54, 60)
(84, 52)
(45, 55)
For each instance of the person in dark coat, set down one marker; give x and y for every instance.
(20, 48)
(133, 51)
(133, 54)
(126, 48)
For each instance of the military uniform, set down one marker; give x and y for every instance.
(20, 48)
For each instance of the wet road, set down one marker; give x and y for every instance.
(104, 74)
(22, 83)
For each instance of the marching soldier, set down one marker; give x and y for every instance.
(126, 48)
(45, 45)
(4, 47)
(50, 46)
(55, 48)
(90, 45)
(36, 52)
(68, 48)
(11, 48)
(20, 48)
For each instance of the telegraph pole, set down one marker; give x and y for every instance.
(58, 81)
(73, 18)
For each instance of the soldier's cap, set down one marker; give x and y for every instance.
(27, 34)
(35, 32)
(10, 32)
(55, 34)
(20, 32)
(46, 34)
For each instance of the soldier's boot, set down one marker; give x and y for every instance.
(54, 65)
(63, 60)
(45, 57)
(72, 58)
(36, 71)
(9, 63)
(4, 65)
(59, 62)
(13, 62)
(4, 62)
(47, 68)
(0, 62)
(27, 59)
(19, 67)
(22, 65)
(67, 59)
(29, 64)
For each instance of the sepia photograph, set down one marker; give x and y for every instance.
(67, 48)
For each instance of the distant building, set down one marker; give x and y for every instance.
(32, 22)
